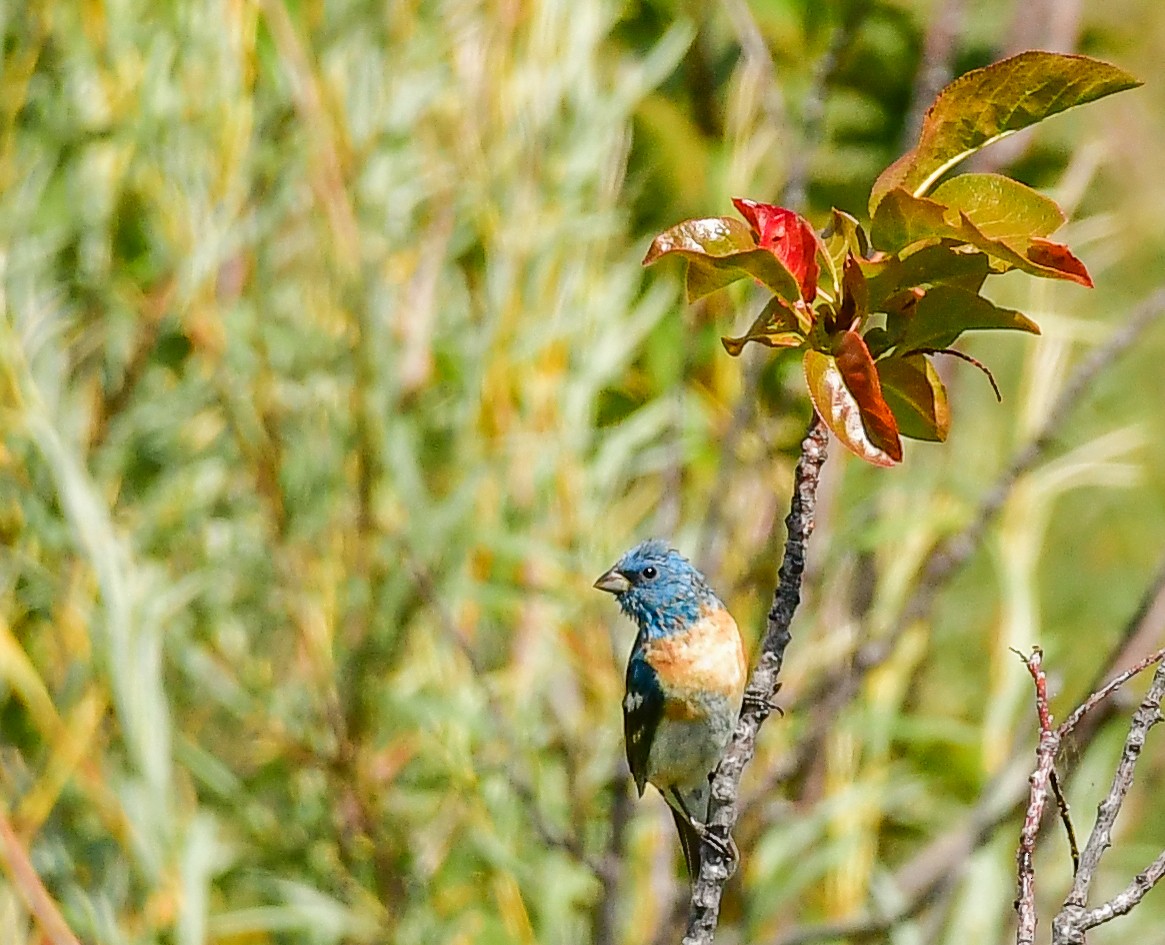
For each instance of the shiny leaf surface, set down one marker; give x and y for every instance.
(789, 236)
(902, 220)
(847, 395)
(945, 312)
(987, 104)
(947, 263)
(720, 251)
(1001, 208)
(915, 393)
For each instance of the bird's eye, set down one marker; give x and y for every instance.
(649, 572)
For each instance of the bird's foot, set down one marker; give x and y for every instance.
(725, 846)
(763, 703)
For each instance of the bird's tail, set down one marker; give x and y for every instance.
(689, 841)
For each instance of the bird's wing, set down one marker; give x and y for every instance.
(642, 710)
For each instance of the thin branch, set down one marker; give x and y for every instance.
(935, 869)
(839, 688)
(1123, 902)
(1148, 715)
(1074, 919)
(1066, 820)
(1025, 899)
(762, 687)
(1107, 690)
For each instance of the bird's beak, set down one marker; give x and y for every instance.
(613, 582)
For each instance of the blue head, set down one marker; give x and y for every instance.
(658, 588)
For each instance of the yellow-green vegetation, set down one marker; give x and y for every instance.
(330, 380)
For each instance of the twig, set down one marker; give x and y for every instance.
(1107, 690)
(1025, 900)
(838, 688)
(923, 879)
(1124, 901)
(762, 687)
(1073, 920)
(1066, 820)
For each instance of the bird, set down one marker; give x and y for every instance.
(685, 684)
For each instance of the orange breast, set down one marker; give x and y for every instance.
(707, 658)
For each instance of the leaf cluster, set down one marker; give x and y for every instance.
(868, 310)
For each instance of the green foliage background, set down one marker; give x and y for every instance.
(329, 381)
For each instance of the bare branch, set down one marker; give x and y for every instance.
(934, 870)
(1025, 900)
(1107, 690)
(1066, 820)
(762, 687)
(1124, 901)
(1070, 924)
(839, 688)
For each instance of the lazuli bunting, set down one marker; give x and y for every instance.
(685, 682)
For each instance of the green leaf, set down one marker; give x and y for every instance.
(991, 103)
(1001, 208)
(902, 220)
(945, 312)
(916, 395)
(949, 262)
(855, 297)
(720, 251)
(777, 326)
(842, 237)
(847, 395)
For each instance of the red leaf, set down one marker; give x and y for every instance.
(1057, 256)
(788, 236)
(861, 377)
(857, 415)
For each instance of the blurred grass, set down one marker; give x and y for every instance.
(330, 380)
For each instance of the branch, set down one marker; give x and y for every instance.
(933, 870)
(762, 688)
(1072, 921)
(1123, 902)
(1107, 690)
(838, 688)
(1025, 900)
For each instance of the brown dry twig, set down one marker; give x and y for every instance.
(1049, 744)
